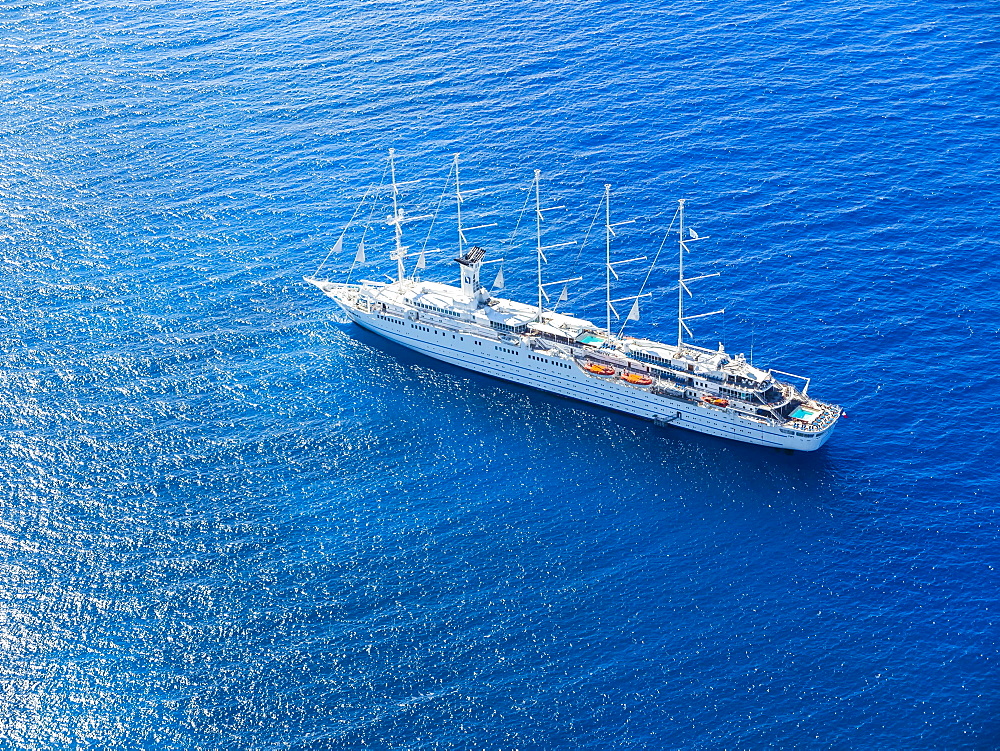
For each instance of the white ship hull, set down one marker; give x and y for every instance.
(484, 353)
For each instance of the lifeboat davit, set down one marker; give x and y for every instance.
(636, 378)
(598, 369)
(716, 401)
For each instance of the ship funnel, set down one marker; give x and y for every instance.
(471, 262)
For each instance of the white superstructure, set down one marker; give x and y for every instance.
(675, 384)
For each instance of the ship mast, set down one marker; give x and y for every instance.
(609, 267)
(539, 248)
(538, 240)
(680, 278)
(607, 254)
(397, 219)
(458, 203)
(470, 260)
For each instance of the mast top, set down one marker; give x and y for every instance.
(474, 255)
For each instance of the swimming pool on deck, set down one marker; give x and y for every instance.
(806, 415)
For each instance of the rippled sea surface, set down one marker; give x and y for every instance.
(230, 520)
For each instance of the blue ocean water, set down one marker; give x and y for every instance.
(231, 520)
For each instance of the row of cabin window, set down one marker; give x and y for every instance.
(531, 357)
(461, 338)
(734, 393)
(424, 328)
(520, 329)
(550, 362)
(442, 311)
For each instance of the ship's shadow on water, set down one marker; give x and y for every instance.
(624, 445)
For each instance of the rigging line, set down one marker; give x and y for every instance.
(521, 215)
(368, 223)
(362, 203)
(587, 236)
(371, 213)
(653, 264)
(437, 210)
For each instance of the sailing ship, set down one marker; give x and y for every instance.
(677, 384)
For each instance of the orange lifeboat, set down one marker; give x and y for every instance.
(715, 401)
(636, 378)
(598, 369)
